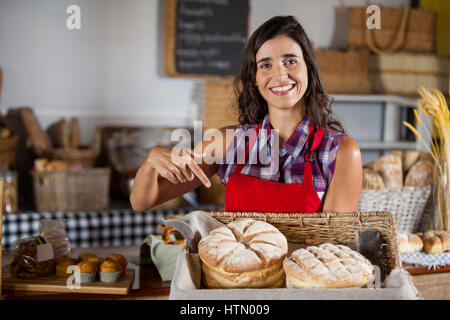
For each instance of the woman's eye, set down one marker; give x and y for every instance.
(265, 66)
(291, 62)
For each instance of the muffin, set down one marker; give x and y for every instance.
(96, 260)
(120, 259)
(86, 255)
(110, 271)
(62, 264)
(88, 271)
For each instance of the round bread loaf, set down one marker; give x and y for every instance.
(327, 266)
(243, 254)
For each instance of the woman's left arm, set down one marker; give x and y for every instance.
(345, 188)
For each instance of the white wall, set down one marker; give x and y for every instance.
(111, 71)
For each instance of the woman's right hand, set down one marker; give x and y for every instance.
(177, 165)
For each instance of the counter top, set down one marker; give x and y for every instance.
(147, 282)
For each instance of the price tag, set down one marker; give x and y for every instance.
(44, 250)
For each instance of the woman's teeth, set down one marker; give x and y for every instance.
(284, 88)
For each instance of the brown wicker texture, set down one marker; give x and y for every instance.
(219, 105)
(317, 228)
(412, 207)
(404, 73)
(84, 156)
(72, 191)
(8, 151)
(344, 71)
(418, 35)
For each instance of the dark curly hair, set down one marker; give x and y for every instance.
(252, 107)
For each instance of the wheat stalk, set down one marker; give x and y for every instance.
(437, 142)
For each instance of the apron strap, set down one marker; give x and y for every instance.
(314, 138)
(248, 147)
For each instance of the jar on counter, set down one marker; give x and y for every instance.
(10, 191)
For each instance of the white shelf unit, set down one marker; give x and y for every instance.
(391, 122)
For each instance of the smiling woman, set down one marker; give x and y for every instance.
(281, 102)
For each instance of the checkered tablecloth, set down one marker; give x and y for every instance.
(431, 261)
(114, 227)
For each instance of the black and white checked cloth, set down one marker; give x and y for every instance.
(105, 228)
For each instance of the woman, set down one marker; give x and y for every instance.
(278, 87)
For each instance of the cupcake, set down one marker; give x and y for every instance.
(120, 259)
(62, 264)
(86, 255)
(96, 260)
(88, 271)
(110, 271)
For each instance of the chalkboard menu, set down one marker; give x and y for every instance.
(205, 37)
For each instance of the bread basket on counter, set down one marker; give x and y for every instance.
(412, 207)
(309, 229)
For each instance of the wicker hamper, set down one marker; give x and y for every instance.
(411, 206)
(71, 190)
(344, 71)
(404, 73)
(315, 228)
(7, 147)
(416, 34)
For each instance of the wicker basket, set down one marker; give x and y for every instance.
(83, 156)
(404, 73)
(71, 190)
(219, 105)
(344, 71)
(317, 228)
(416, 34)
(411, 206)
(7, 147)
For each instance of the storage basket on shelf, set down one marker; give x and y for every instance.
(403, 73)
(71, 190)
(8, 144)
(82, 156)
(405, 29)
(344, 71)
(412, 207)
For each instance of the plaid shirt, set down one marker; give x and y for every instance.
(291, 155)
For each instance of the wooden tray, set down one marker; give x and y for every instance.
(412, 269)
(58, 284)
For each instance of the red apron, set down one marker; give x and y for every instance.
(249, 194)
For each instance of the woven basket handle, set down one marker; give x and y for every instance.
(399, 37)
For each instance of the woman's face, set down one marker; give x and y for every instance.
(281, 73)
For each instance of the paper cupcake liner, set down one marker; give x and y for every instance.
(110, 276)
(88, 277)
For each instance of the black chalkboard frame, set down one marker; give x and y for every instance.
(170, 42)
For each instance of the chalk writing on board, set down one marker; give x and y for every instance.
(210, 35)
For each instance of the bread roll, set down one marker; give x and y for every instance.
(445, 239)
(390, 168)
(410, 157)
(243, 254)
(432, 243)
(398, 153)
(408, 242)
(421, 174)
(327, 266)
(372, 180)
(369, 165)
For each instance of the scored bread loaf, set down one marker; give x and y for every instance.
(243, 254)
(327, 266)
(421, 174)
(389, 167)
(372, 180)
(408, 242)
